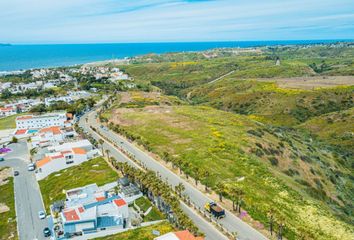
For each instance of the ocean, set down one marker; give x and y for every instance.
(22, 57)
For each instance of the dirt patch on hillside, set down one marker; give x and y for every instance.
(4, 175)
(4, 208)
(310, 83)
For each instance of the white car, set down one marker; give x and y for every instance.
(41, 215)
(31, 167)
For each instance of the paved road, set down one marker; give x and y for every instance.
(211, 232)
(231, 222)
(28, 200)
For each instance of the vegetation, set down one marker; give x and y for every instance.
(142, 233)
(8, 122)
(270, 104)
(78, 107)
(93, 171)
(8, 226)
(335, 128)
(160, 193)
(281, 168)
(144, 204)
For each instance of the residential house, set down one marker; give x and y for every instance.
(90, 209)
(52, 136)
(63, 156)
(7, 111)
(42, 121)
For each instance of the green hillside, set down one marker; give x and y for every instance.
(269, 103)
(280, 133)
(336, 128)
(281, 167)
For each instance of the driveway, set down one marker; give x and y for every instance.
(28, 200)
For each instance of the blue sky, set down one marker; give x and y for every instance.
(91, 21)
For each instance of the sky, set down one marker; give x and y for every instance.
(110, 21)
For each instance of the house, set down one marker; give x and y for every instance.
(129, 191)
(180, 235)
(89, 209)
(51, 100)
(42, 121)
(52, 135)
(7, 111)
(55, 158)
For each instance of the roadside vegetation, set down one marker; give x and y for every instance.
(273, 137)
(141, 233)
(93, 171)
(8, 225)
(8, 122)
(144, 204)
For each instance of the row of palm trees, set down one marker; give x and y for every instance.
(233, 192)
(160, 193)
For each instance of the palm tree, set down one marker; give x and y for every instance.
(101, 143)
(240, 194)
(179, 189)
(107, 153)
(271, 220)
(220, 189)
(281, 228)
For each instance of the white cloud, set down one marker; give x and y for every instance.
(38, 21)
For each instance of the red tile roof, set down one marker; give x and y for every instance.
(120, 202)
(54, 130)
(43, 162)
(57, 156)
(98, 199)
(21, 131)
(71, 215)
(186, 235)
(80, 151)
(24, 117)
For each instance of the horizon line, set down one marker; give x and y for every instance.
(162, 42)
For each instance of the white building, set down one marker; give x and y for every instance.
(51, 100)
(89, 209)
(63, 156)
(7, 111)
(42, 121)
(51, 136)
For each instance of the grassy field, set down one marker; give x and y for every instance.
(143, 233)
(8, 226)
(336, 128)
(144, 205)
(271, 104)
(93, 171)
(8, 122)
(281, 168)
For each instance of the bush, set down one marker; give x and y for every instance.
(274, 161)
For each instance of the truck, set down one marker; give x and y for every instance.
(215, 210)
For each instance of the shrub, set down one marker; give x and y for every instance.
(274, 161)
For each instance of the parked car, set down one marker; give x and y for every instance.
(41, 215)
(215, 210)
(2, 159)
(16, 173)
(31, 167)
(46, 232)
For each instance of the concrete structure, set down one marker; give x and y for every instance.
(42, 121)
(89, 209)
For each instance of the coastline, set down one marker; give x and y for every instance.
(26, 57)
